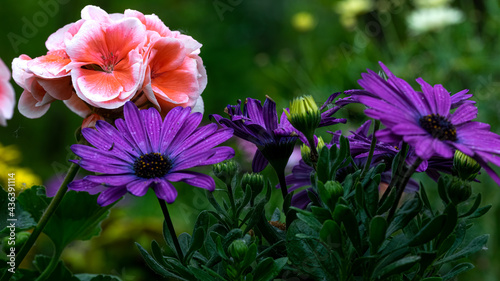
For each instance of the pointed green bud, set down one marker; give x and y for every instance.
(458, 190)
(330, 192)
(255, 181)
(225, 170)
(304, 115)
(238, 250)
(305, 150)
(321, 144)
(464, 167)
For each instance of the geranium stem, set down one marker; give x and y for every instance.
(376, 125)
(402, 186)
(73, 170)
(171, 229)
(52, 265)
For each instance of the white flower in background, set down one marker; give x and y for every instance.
(431, 3)
(349, 9)
(429, 19)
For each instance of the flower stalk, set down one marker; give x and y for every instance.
(171, 229)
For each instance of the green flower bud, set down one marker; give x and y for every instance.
(305, 150)
(238, 250)
(304, 115)
(330, 192)
(465, 167)
(226, 170)
(255, 181)
(458, 190)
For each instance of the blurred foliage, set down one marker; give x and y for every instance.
(278, 48)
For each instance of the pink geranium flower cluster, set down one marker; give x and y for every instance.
(104, 60)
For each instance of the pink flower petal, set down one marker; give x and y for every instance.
(27, 106)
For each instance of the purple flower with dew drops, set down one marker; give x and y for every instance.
(424, 119)
(145, 152)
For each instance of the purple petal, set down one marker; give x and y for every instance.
(165, 191)
(96, 139)
(85, 185)
(428, 92)
(443, 100)
(254, 111)
(466, 112)
(270, 115)
(208, 157)
(152, 122)
(111, 195)
(189, 126)
(259, 162)
(194, 145)
(112, 180)
(139, 187)
(135, 126)
(194, 179)
(171, 125)
(330, 100)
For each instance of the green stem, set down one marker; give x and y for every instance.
(283, 187)
(314, 152)
(73, 170)
(397, 174)
(402, 186)
(52, 265)
(376, 125)
(171, 229)
(231, 200)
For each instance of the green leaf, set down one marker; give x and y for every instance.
(13, 214)
(202, 275)
(425, 198)
(157, 253)
(397, 267)
(405, 214)
(474, 246)
(345, 215)
(321, 214)
(474, 207)
(429, 231)
(196, 243)
(310, 256)
(442, 183)
(480, 212)
(372, 195)
(154, 265)
(331, 235)
(378, 227)
(255, 216)
(450, 223)
(310, 220)
(460, 268)
(80, 217)
(246, 199)
(432, 279)
(34, 201)
(268, 268)
(276, 215)
(61, 272)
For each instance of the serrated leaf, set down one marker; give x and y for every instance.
(61, 272)
(310, 220)
(23, 219)
(34, 201)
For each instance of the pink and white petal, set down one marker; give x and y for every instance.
(56, 39)
(199, 106)
(167, 54)
(154, 23)
(189, 42)
(77, 105)
(60, 88)
(27, 106)
(95, 13)
(20, 72)
(124, 36)
(95, 86)
(135, 14)
(52, 65)
(165, 191)
(88, 46)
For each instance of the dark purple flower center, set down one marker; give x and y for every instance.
(439, 127)
(152, 165)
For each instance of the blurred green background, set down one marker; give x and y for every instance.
(253, 48)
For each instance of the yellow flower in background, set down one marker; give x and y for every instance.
(303, 21)
(350, 9)
(10, 156)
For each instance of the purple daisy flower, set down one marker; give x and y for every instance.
(424, 119)
(145, 152)
(259, 125)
